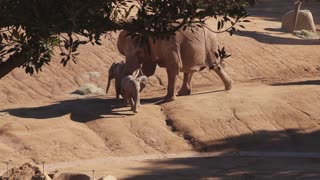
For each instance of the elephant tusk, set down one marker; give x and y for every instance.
(142, 72)
(135, 75)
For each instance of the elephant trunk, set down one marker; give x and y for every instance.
(108, 86)
(110, 76)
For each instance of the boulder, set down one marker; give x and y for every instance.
(27, 171)
(305, 21)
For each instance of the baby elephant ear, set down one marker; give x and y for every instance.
(148, 68)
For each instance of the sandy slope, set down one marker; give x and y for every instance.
(274, 106)
(260, 118)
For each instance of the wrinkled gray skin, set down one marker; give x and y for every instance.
(131, 88)
(185, 52)
(117, 71)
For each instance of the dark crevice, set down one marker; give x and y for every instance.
(169, 123)
(193, 142)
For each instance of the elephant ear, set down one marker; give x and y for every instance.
(148, 68)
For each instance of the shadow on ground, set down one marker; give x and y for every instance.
(80, 110)
(83, 110)
(233, 167)
(271, 39)
(289, 140)
(207, 92)
(309, 82)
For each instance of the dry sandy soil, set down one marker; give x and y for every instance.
(273, 107)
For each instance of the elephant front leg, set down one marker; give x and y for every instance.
(186, 85)
(172, 78)
(136, 100)
(224, 77)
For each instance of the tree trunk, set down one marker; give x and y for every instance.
(13, 62)
(296, 13)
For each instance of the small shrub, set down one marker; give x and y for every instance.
(88, 89)
(304, 34)
(91, 74)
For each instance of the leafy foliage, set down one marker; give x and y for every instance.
(31, 29)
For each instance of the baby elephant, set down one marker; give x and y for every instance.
(117, 71)
(131, 88)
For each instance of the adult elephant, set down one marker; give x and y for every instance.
(187, 51)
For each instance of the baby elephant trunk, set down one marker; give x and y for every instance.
(108, 86)
(111, 75)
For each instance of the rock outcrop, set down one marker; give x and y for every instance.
(305, 21)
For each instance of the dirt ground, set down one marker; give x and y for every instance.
(272, 112)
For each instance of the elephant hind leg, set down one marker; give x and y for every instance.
(186, 86)
(172, 79)
(224, 77)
